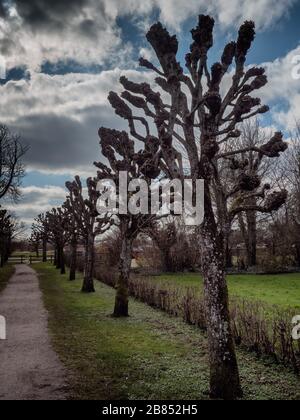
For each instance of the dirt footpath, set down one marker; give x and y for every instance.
(29, 367)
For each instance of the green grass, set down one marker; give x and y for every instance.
(27, 254)
(5, 274)
(281, 289)
(147, 356)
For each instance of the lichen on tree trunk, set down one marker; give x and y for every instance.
(224, 373)
(121, 300)
(224, 376)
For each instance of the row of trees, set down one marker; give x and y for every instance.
(189, 128)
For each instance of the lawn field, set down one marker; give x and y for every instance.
(148, 356)
(27, 254)
(281, 289)
(5, 274)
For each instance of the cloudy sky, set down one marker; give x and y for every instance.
(64, 56)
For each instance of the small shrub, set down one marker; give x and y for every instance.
(256, 327)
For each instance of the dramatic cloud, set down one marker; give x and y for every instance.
(37, 31)
(36, 200)
(41, 13)
(283, 89)
(59, 117)
(2, 10)
(227, 12)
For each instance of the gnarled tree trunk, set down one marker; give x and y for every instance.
(88, 280)
(58, 257)
(121, 301)
(73, 261)
(252, 238)
(249, 234)
(224, 374)
(62, 261)
(44, 250)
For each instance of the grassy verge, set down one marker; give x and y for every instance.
(281, 289)
(147, 356)
(5, 274)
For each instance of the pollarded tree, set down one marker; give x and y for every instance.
(85, 214)
(176, 243)
(253, 136)
(119, 150)
(165, 237)
(73, 230)
(39, 228)
(198, 112)
(57, 222)
(290, 172)
(35, 241)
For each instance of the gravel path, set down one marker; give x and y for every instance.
(29, 367)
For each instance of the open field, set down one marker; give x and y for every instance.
(27, 254)
(5, 273)
(281, 289)
(147, 356)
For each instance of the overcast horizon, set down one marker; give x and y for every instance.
(63, 57)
